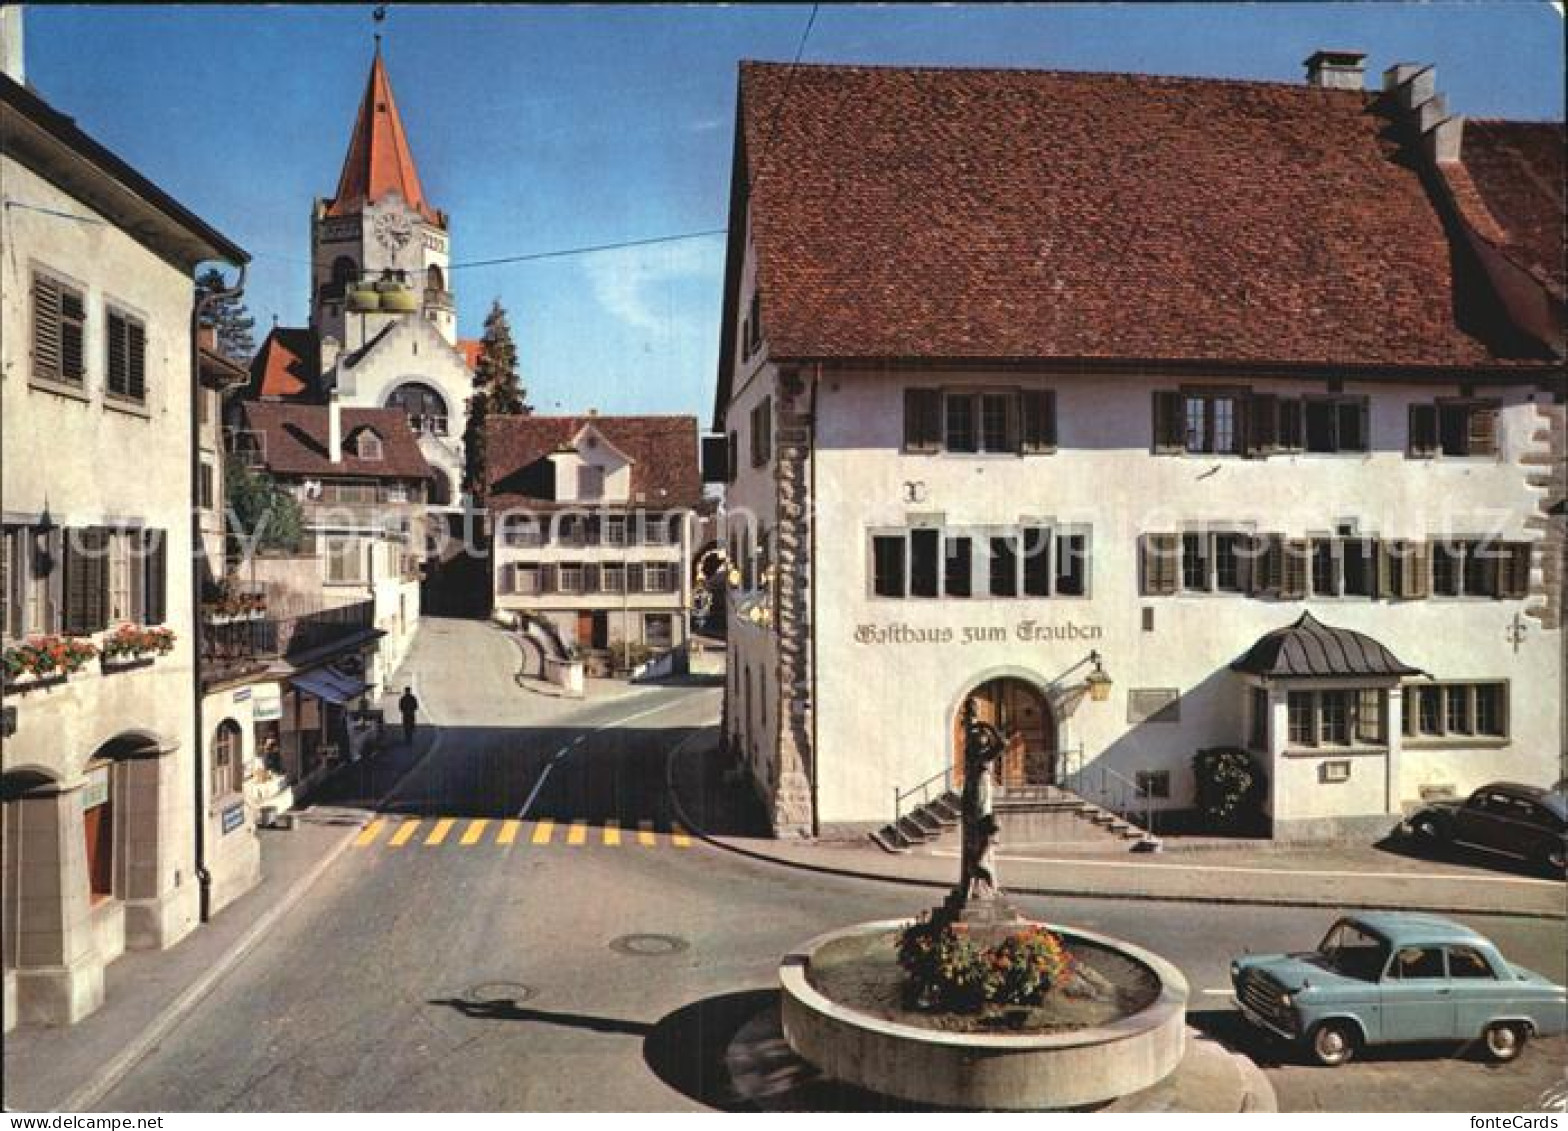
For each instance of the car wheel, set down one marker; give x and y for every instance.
(1505, 1040)
(1334, 1042)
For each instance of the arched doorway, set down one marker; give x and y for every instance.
(1020, 711)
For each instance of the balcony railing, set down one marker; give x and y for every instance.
(236, 646)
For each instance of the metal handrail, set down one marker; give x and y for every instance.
(1128, 789)
(923, 788)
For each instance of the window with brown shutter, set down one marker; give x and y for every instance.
(548, 574)
(86, 581)
(1514, 570)
(922, 420)
(1263, 424)
(591, 577)
(634, 577)
(1289, 429)
(1037, 419)
(1481, 430)
(1296, 559)
(1423, 431)
(1170, 434)
(1161, 561)
(59, 331)
(126, 367)
(1417, 580)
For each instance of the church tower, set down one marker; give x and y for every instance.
(379, 250)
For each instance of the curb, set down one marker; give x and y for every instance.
(165, 1023)
(1079, 891)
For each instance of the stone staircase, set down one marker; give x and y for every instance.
(1057, 815)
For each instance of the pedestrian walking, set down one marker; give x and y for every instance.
(409, 706)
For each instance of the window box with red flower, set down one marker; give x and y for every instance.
(134, 646)
(42, 661)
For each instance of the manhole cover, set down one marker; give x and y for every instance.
(493, 993)
(646, 945)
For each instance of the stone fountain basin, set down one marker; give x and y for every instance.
(996, 1071)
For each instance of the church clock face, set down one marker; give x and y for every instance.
(393, 232)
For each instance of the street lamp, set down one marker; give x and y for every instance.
(1098, 682)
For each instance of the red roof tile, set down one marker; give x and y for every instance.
(287, 366)
(982, 214)
(295, 441)
(663, 451)
(470, 348)
(379, 160)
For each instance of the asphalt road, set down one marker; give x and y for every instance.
(528, 967)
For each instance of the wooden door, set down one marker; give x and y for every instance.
(585, 629)
(1020, 712)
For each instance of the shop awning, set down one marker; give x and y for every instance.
(329, 685)
(1310, 649)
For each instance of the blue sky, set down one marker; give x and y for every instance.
(543, 128)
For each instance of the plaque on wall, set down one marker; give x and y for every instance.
(233, 817)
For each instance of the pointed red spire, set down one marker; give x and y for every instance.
(379, 160)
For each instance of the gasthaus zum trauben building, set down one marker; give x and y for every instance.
(1160, 414)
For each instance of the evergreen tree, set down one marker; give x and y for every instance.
(474, 446)
(496, 374)
(498, 391)
(261, 514)
(229, 315)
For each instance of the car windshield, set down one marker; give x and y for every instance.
(1355, 953)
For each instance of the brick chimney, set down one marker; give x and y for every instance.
(1414, 87)
(1336, 70)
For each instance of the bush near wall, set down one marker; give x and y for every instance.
(1230, 788)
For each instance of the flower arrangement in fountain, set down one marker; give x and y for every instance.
(130, 641)
(44, 656)
(949, 969)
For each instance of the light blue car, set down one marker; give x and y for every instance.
(1387, 977)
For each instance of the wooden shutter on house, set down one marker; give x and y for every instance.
(1247, 549)
(127, 362)
(1295, 559)
(591, 577)
(1514, 569)
(1161, 562)
(1266, 565)
(86, 581)
(922, 420)
(1481, 429)
(1169, 434)
(634, 577)
(8, 604)
(1423, 431)
(547, 577)
(1037, 420)
(155, 571)
(59, 331)
(1263, 430)
(1417, 579)
(1385, 553)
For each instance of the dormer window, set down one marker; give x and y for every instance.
(367, 445)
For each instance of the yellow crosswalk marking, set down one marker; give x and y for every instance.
(645, 833)
(543, 830)
(438, 834)
(404, 832)
(680, 837)
(370, 832)
(476, 829)
(578, 833)
(508, 832)
(612, 833)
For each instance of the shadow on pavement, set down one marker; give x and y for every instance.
(1232, 1030)
(1442, 852)
(511, 1011)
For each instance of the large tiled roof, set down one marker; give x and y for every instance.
(1310, 649)
(1517, 168)
(663, 451)
(288, 365)
(379, 160)
(294, 441)
(989, 214)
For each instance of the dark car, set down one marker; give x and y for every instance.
(1516, 820)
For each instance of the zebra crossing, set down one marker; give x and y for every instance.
(394, 833)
